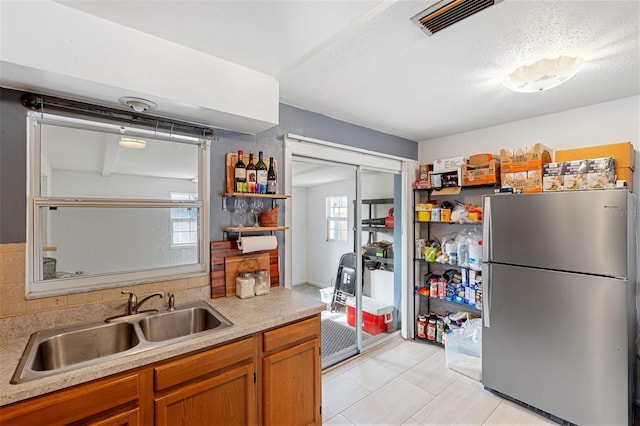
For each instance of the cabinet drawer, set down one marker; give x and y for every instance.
(191, 367)
(73, 404)
(289, 334)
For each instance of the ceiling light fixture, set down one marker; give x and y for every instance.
(543, 75)
(133, 143)
(137, 104)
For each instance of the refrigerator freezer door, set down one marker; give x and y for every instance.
(571, 231)
(558, 341)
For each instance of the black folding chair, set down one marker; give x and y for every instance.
(345, 285)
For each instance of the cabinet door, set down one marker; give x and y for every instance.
(92, 402)
(291, 386)
(128, 418)
(224, 399)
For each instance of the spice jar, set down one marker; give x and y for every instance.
(245, 285)
(431, 329)
(422, 326)
(263, 282)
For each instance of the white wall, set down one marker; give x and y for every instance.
(323, 256)
(608, 122)
(300, 238)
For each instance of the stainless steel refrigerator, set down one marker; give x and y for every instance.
(559, 302)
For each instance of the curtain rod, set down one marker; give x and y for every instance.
(38, 103)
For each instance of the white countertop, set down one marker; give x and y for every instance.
(248, 316)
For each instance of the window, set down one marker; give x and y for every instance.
(184, 221)
(103, 213)
(337, 214)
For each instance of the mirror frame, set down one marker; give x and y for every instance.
(36, 288)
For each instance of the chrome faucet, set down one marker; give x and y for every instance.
(133, 305)
(172, 301)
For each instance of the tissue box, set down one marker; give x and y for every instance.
(553, 177)
(575, 175)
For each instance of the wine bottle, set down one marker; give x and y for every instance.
(240, 175)
(261, 174)
(251, 174)
(272, 184)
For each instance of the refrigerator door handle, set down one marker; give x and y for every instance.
(486, 303)
(486, 229)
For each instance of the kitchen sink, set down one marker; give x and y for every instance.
(76, 346)
(173, 324)
(63, 349)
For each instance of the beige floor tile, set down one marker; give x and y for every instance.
(510, 414)
(392, 404)
(373, 374)
(405, 353)
(338, 420)
(464, 402)
(432, 374)
(411, 422)
(340, 393)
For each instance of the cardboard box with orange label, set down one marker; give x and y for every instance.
(521, 168)
(485, 174)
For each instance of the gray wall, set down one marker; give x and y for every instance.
(13, 155)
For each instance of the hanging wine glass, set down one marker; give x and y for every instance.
(256, 207)
(240, 207)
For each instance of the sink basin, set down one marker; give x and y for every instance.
(63, 349)
(73, 347)
(179, 323)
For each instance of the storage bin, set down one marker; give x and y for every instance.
(377, 316)
(463, 352)
(326, 294)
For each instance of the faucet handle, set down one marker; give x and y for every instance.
(172, 301)
(133, 300)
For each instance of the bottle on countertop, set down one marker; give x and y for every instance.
(251, 174)
(272, 184)
(240, 175)
(261, 174)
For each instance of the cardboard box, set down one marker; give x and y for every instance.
(445, 178)
(601, 173)
(527, 181)
(553, 177)
(481, 159)
(625, 173)
(524, 158)
(485, 174)
(445, 164)
(575, 175)
(623, 154)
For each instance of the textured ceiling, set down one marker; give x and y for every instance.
(364, 61)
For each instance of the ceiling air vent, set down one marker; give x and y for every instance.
(447, 12)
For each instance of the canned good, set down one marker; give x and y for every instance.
(421, 329)
(431, 330)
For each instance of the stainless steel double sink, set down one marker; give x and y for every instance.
(63, 349)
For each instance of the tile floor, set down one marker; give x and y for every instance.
(402, 382)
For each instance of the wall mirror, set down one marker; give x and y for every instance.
(113, 205)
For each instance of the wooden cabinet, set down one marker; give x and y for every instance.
(271, 378)
(215, 387)
(110, 401)
(291, 375)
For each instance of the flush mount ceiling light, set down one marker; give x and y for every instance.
(543, 74)
(137, 104)
(132, 143)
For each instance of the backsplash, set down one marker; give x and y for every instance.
(110, 301)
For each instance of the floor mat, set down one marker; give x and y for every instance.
(337, 340)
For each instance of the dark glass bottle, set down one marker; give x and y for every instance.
(240, 175)
(272, 184)
(251, 174)
(261, 174)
